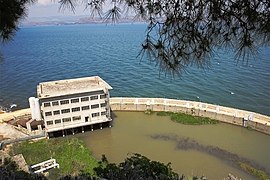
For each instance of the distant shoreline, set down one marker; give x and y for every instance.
(76, 21)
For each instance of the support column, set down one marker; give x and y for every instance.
(110, 124)
(100, 125)
(63, 133)
(136, 103)
(82, 130)
(92, 129)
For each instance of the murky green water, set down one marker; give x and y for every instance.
(209, 150)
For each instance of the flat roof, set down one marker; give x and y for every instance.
(71, 86)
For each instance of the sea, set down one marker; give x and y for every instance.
(44, 53)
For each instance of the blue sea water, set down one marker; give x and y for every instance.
(47, 53)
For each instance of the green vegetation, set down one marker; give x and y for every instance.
(187, 118)
(136, 167)
(10, 170)
(71, 154)
(148, 112)
(256, 172)
(76, 162)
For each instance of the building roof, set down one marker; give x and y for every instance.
(71, 86)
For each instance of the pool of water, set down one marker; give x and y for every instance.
(210, 150)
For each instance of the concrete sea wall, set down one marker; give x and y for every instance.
(238, 117)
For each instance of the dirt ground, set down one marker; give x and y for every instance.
(7, 131)
(4, 117)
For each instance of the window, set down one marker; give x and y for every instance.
(103, 113)
(75, 109)
(103, 105)
(102, 96)
(84, 99)
(47, 104)
(95, 114)
(48, 113)
(57, 121)
(75, 100)
(94, 97)
(66, 119)
(76, 118)
(56, 112)
(63, 111)
(64, 102)
(55, 103)
(94, 106)
(85, 108)
(49, 123)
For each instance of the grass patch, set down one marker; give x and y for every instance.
(256, 172)
(71, 154)
(187, 118)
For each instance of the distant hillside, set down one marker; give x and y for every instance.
(43, 21)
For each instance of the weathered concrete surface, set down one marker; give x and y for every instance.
(13, 115)
(239, 117)
(9, 132)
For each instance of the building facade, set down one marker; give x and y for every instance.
(73, 103)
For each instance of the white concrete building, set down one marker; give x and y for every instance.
(72, 103)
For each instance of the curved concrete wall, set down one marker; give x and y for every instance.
(239, 117)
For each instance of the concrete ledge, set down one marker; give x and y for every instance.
(12, 115)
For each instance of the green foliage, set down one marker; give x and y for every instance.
(10, 170)
(192, 120)
(71, 154)
(136, 167)
(188, 119)
(11, 12)
(81, 176)
(256, 172)
(148, 112)
(83, 165)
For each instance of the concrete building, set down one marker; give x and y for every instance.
(72, 103)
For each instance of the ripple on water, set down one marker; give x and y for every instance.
(58, 52)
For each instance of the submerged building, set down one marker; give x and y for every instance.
(73, 103)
